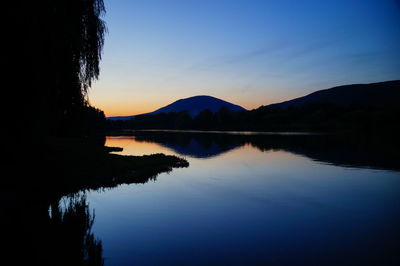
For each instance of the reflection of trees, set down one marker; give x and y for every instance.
(347, 150)
(38, 232)
(73, 242)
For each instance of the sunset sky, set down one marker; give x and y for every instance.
(247, 52)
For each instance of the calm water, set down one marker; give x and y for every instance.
(243, 202)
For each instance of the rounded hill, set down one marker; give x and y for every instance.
(193, 105)
(196, 104)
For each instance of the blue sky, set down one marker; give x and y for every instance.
(248, 52)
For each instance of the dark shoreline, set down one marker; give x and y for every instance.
(38, 231)
(81, 164)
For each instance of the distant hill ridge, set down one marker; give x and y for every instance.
(372, 94)
(193, 105)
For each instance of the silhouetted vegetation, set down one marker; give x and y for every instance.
(310, 117)
(56, 48)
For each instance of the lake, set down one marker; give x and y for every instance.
(253, 199)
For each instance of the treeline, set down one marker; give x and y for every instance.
(88, 121)
(310, 117)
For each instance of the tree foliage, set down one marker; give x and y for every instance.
(56, 48)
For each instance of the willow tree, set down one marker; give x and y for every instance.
(56, 48)
(77, 39)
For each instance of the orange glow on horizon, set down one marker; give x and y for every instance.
(122, 110)
(128, 108)
(134, 104)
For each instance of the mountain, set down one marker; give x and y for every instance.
(373, 94)
(193, 105)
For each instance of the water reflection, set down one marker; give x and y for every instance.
(253, 201)
(262, 203)
(56, 232)
(70, 233)
(343, 150)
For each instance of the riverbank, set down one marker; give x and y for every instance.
(61, 166)
(82, 164)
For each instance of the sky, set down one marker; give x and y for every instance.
(247, 52)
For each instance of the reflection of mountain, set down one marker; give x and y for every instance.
(189, 144)
(197, 150)
(344, 150)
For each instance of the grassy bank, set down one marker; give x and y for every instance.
(81, 164)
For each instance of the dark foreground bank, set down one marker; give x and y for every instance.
(39, 229)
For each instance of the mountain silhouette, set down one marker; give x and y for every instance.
(373, 94)
(193, 105)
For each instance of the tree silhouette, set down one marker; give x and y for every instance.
(55, 49)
